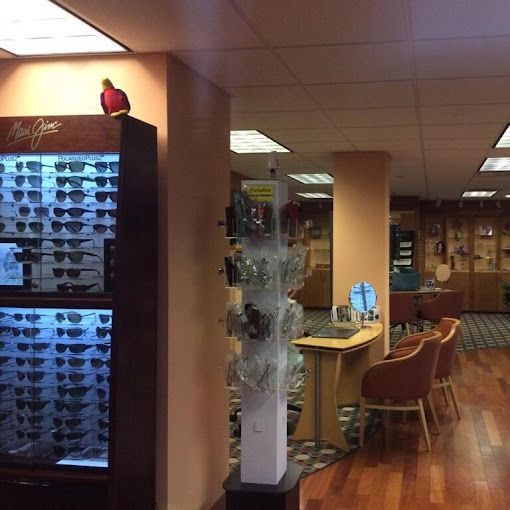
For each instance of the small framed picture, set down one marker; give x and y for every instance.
(485, 230)
(15, 270)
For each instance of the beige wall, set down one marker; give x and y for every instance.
(192, 117)
(361, 226)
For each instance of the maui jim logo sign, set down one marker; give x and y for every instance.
(34, 132)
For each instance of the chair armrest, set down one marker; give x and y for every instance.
(413, 340)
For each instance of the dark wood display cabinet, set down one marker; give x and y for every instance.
(78, 270)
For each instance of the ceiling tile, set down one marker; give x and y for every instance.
(348, 63)
(169, 26)
(278, 120)
(465, 114)
(237, 68)
(453, 18)
(463, 131)
(456, 144)
(464, 91)
(305, 23)
(390, 145)
(365, 117)
(411, 184)
(462, 58)
(265, 99)
(304, 135)
(331, 146)
(382, 133)
(363, 95)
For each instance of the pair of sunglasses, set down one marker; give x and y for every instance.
(28, 332)
(102, 196)
(70, 423)
(74, 212)
(76, 195)
(70, 436)
(72, 287)
(101, 393)
(31, 362)
(74, 377)
(103, 332)
(73, 391)
(31, 435)
(32, 419)
(73, 348)
(101, 213)
(33, 196)
(71, 272)
(73, 317)
(31, 391)
(34, 180)
(72, 362)
(36, 347)
(35, 226)
(32, 376)
(40, 212)
(100, 378)
(71, 332)
(101, 229)
(32, 405)
(59, 256)
(70, 407)
(33, 166)
(76, 181)
(99, 363)
(78, 166)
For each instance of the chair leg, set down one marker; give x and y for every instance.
(443, 388)
(454, 398)
(408, 329)
(423, 421)
(361, 435)
(433, 411)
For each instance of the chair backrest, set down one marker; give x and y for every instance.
(402, 308)
(445, 304)
(409, 377)
(450, 330)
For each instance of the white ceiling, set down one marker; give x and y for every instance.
(426, 80)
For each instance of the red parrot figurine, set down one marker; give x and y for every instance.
(114, 101)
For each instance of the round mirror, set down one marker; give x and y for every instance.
(443, 272)
(362, 297)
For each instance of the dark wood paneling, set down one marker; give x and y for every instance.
(485, 292)
(133, 411)
(460, 280)
(77, 133)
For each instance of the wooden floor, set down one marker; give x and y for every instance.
(467, 469)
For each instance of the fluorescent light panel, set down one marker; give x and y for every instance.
(479, 194)
(314, 195)
(253, 141)
(504, 141)
(40, 27)
(312, 178)
(496, 165)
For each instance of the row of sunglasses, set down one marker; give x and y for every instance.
(73, 227)
(75, 181)
(75, 212)
(72, 317)
(76, 195)
(34, 332)
(61, 166)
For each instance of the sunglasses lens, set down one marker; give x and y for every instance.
(35, 181)
(101, 181)
(24, 210)
(35, 166)
(76, 195)
(101, 196)
(100, 229)
(74, 317)
(75, 256)
(36, 227)
(19, 180)
(76, 166)
(73, 272)
(20, 226)
(114, 166)
(75, 212)
(34, 196)
(59, 212)
(18, 195)
(41, 211)
(2, 168)
(101, 166)
(56, 226)
(73, 227)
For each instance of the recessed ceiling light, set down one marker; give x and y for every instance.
(495, 165)
(479, 194)
(40, 27)
(504, 139)
(253, 141)
(312, 178)
(314, 195)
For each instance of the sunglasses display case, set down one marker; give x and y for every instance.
(77, 399)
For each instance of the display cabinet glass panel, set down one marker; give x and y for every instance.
(458, 241)
(58, 214)
(485, 238)
(435, 246)
(54, 385)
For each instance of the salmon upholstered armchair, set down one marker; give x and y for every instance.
(449, 328)
(445, 304)
(407, 377)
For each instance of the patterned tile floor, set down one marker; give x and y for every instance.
(479, 331)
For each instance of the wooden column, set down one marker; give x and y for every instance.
(361, 228)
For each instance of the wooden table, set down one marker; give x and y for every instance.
(422, 291)
(337, 366)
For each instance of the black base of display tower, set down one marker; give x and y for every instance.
(253, 496)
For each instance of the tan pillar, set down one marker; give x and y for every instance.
(361, 205)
